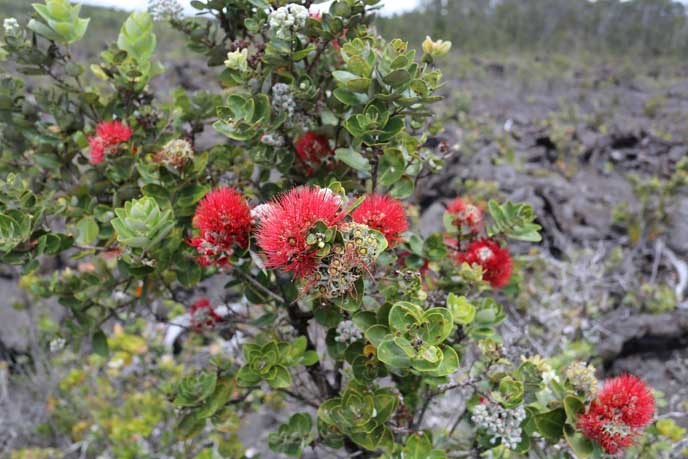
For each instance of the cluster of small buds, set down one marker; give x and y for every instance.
(272, 140)
(237, 60)
(164, 10)
(286, 19)
(11, 26)
(282, 99)
(500, 423)
(300, 120)
(583, 378)
(545, 369)
(176, 153)
(336, 274)
(57, 344)
(348, 332)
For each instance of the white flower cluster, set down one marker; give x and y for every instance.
(57, 344)
(163, 10)
(272, 140)
(348, 332)
(583, 378)
(288, 18)
(176, 153)
(500, 423)
(11, 26)
(282, 99)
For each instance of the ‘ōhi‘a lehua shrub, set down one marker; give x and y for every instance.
(303, 208)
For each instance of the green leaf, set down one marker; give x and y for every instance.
(391, 168)
(437, 325)
(449, 364)
(551, 424)
(364, 319)
(580, 445)
(99, 344)
(310, 358)
(189, 426)
(418, 446)
(376, 334)
(137, 37)
(352, 159)
(62, 22)
(392, 354)
(188, 272)
(303, 53)
(572, 406)
(397, 78)
(385, 403)
(224, 388)
(88, 231)
(514, 220)
(281, 378)
(349, 98)
(403, 188)
(461, 310)
(191, 194)
(404, 315)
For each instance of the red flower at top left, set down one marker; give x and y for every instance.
(109, 134)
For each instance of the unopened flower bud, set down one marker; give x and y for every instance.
(237, 60)
(437, 48)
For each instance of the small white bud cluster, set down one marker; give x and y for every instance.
(583, 378)
(282, 99)
(288, 18)
(57, 344)
(500, 423)
(176, 153)
(336, 274)
(348, 332)
(272, 140)
(261, 211)
(163, 10)
(11, 26)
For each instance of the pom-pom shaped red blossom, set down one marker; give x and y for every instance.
(384, 214)
(285, 225)
(223, 219)
(465, 215)
(313, 150)
(203, 315)
(109, 134)
(621, 410)
(494, 259)
(113, 132)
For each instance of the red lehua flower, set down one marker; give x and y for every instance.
(313, 149)
(113, 132)
(466, 214)
(494, 259)
(224, 220)
(97, 150)
(109, 134)
(203, 315)
(621, 410)
(384, 214)
(285, 225)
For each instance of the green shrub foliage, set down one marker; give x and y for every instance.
(294, 182)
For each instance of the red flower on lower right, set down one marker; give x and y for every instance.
(621, 410)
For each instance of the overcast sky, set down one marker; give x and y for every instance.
(391, 6)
